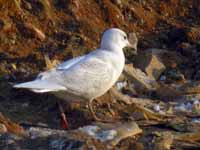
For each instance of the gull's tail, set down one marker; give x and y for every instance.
(40, 86)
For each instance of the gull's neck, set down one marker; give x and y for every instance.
(115, 50)
(115, 57)
(111, 47)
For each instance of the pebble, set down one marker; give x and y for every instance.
(186, 107)
(196, 120)
(90, 130)
(58, 144)
(196, 102)
(25, 104)
(121, 85)
(156, 108)
(189, 106)
(181, 107)
(3, 128)
(163, 78)
(106, 135)
(100, 135)
(35, 132)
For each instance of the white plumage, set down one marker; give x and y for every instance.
(88, 76)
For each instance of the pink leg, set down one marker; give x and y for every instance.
(64, 122)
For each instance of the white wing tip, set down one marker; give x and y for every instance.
(17, 86)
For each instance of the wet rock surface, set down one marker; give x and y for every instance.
(154, 105)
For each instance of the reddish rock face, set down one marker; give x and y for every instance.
(67, 28)
(82, 20)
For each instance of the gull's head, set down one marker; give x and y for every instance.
(114, 39)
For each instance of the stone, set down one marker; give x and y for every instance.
(186, 49)
(3, 128)
(196, 108)
(167, 92)
(173, 75)
(190, 88)
(61, 139)
(95, 136)
(12, 127)
(140, 81)
(193, 34)
(155, 67)
(47, 138)
(36, 31)
(164, 141)
(111, 134)
(150, 63)
(155, 61)
(168, 58)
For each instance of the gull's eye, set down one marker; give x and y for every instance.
(125, 38)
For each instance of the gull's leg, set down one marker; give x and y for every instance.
(92, 111)
(94, 115)
(64, 122)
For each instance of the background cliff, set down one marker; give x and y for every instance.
(169, 41)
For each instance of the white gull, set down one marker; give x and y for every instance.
(89, 76)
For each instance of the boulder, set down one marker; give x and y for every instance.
(140, 81)
(150, 64)
(154, 61)
(167, 92)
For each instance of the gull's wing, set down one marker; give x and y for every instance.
(40, 84)
(87, 77)
(67, 64)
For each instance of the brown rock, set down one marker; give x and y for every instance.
(186, 49)
(37, 32)
(193, 34)
(164, 142)
(11, 126)
(150, 63)
(169, 58)
(3, 128)
(141, 82)
(155, 67)
(173, 75)
(154, 61)
(196, 108)
(168, 92)
(188, 137)
(190, 88)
